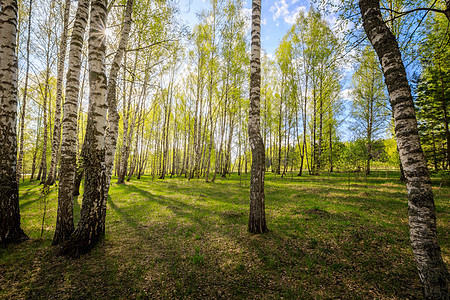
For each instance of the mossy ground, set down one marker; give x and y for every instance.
(341, 235)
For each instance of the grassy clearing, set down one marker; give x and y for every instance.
(331, 236)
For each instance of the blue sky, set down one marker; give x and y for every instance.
(276, 17)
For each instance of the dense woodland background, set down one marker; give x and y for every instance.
(182, 97)
(183, 94)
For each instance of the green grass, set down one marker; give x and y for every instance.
(333, 235)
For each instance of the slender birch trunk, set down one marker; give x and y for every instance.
(227, 167)
(127, 133)
(257, 215)
(64, 220)
(90, 228)
(422, 217)
(331, 143)
(24, 99)
(43, 166)
(165, 132)
(56, 141)
(280, 118)
(113, 116)
(210, 92)
(10, 231)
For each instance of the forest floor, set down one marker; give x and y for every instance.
(331, 236)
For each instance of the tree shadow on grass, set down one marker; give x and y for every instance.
(324, 259)
(179, 208)
(199, 251)
(27, 203)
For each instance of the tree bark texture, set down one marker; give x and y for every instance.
(43, 167)
(90, 227)
(113, 116)
(422, 217)
(56, 140)
(257, 217)
(24, 99)
(64, 220)
(10, 231)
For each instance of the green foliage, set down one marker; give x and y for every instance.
(433, 92)
(301, 98)
(369, 104)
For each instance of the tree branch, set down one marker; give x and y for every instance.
(403, 13)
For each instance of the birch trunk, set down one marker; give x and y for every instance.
(127, 127)
(91, 227)
(257, 217)
(319, 150)
(422, 216)
(113, 116)
(56, 141)
(36, 145)
(24, 99)
(10, 231)
(210, 92)
(280, 118)
(165, 132)
(43, 166)
(227, 166)
(64, 220)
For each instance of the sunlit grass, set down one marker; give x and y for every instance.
(334, 235)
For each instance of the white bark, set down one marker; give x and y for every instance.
(257, 218)
(56, 141)
(90, 227)
(422, 217)
(64, 221)
(10, 230)
(113, 116)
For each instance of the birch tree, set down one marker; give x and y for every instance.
(113, 116)
(257, 215)
(64, 220)
(368, 106)
(24, 98)
(90, 228)
(421, 209)
(56, 140)
(10, 231)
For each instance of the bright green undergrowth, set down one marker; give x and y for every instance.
(339, 235)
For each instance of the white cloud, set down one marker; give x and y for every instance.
(292, 16)
(346, 95)
(281, 9)
(247, 15)
(264, 21)
(270, 56)
(332, 20)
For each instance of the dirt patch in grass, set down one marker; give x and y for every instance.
(318, 212)
(311, 190)
(363, 195)
(391, 184)
(296, 196)
(232, 214)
